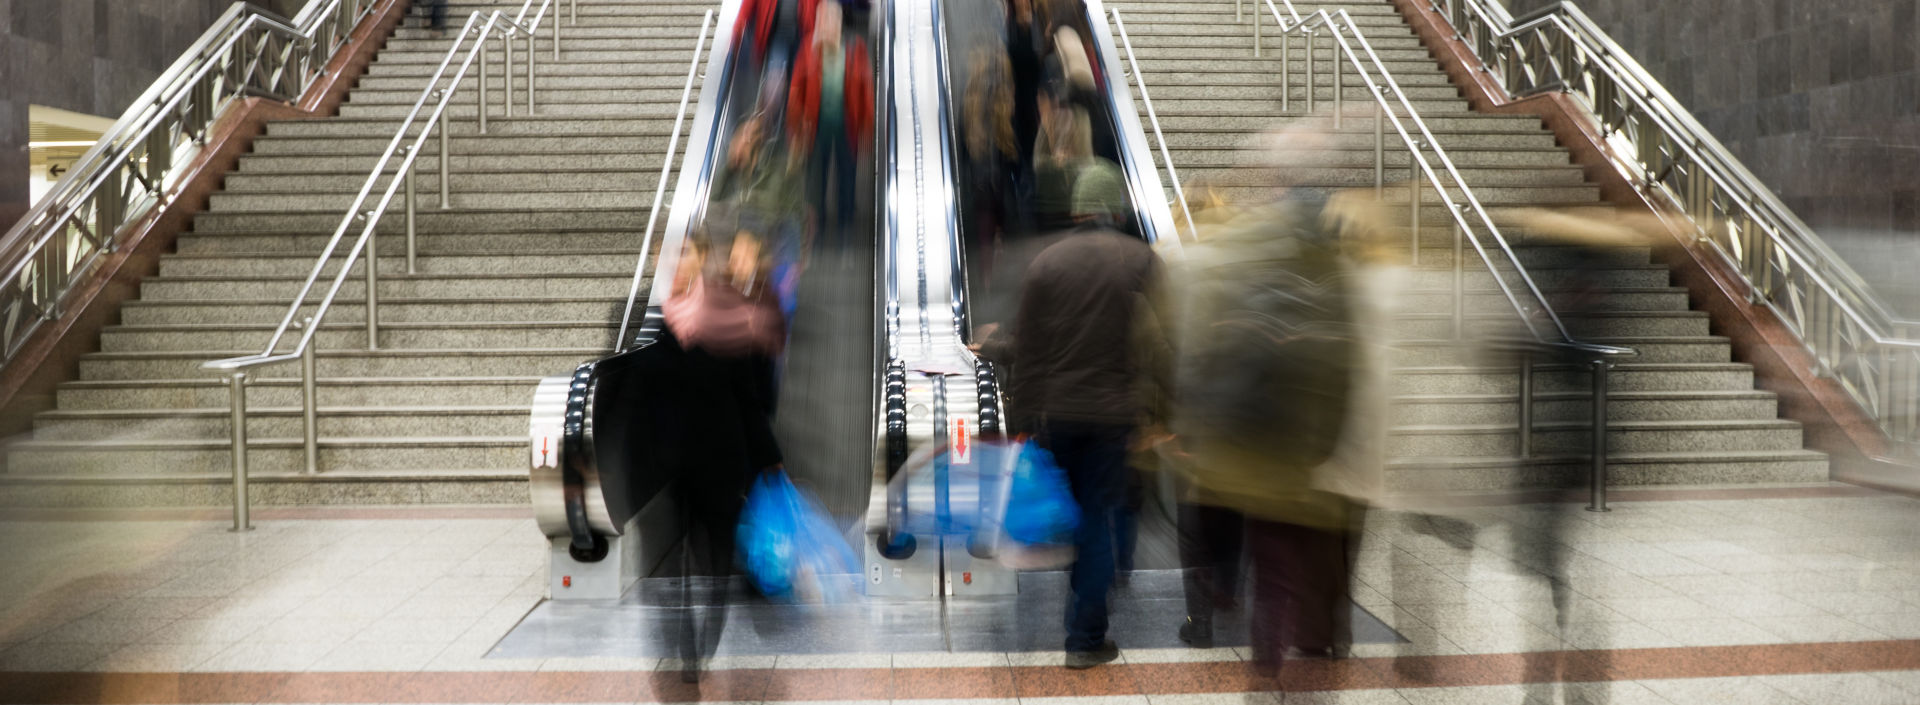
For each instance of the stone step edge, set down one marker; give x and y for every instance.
(294, 381)
(117, 445)
(1508, 398)
(422, 325)
(447, 475)
(90, 414)
(1613, 458)
(1612, 425)
(383, 352)
(282, 302)
(1544, 367)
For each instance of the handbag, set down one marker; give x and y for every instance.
(715, 317)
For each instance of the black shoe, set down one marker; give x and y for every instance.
(1197, 634)
(1079, 660)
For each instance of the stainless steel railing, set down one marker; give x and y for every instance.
(1470, 218)
(621, 343)
(137, 165)
(1854, 337)
(473, 37)
(1153, 119)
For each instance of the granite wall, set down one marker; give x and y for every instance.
(1821, 100)
(87, 56)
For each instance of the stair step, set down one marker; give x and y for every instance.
(448, 244)
(280, 422)
(1574, 437)
(1626, 377)
(1658, 405)
(334, 487)
(175, 364)
(282, 289)
(495, 220)
(280, 387)
(266, 456)
(1624, 469)
(353, 336)
(392, 310)
(430, 263)
(1442, 351)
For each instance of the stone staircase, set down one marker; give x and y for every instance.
(523, 276)
(1681, 413)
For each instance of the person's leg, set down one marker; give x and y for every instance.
(843, 181)
(438, 13)
(1094, 458)
(819, 168)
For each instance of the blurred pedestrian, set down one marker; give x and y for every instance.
(721, 317)
(1076, 368)
(1264, 379)
(436, 18)
(830, 110)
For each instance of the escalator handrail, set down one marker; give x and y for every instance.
(660, 188)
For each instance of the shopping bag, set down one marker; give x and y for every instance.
(790, 547)
(1040, 504)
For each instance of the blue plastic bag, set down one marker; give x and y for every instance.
(1040, 504)
(791, 548)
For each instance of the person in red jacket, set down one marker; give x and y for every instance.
(829, 111)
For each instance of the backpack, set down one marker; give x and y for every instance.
(1267, 359)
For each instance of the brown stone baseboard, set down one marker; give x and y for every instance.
(51, 354)
(1833, 422)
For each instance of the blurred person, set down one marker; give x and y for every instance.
(436, 18)
(830, 110)
(990, 149)
(1025, 43)
(1063, 155)
(721, 317)
(1267, 365)
(758, 190)
(1077, 365)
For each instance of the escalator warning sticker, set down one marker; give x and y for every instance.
(960, 442)
(544, 455)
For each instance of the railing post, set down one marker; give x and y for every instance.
(1286, 68)
(373, 289)
(1310, 76)
(1256, 35)
(446, 174)
(242, 503)
(1413, 198)
(373, 258)
(1236, 10)
(1339, 71)
(1459, 280)
(1597, 475)
(1379, 149)
(309, 403)
(530, 55)
(1525, 445)
(506, 73)
(484, 104)
(573, 11)
(556, 35)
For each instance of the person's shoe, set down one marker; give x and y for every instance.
(1197, 634)
(1080, 660)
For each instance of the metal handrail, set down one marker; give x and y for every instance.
(1852, 334)
(135, 166)
(1140, 79)
(660, 189)
(473, 39)
(1600, 357)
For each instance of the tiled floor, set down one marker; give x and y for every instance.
(1784, 596)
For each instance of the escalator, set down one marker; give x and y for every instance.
(602, 445)
(877, 367)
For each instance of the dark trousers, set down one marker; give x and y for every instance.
(832, 158)
(1094, 457)
(437, 13)
(1300, 589)
(1210, 542)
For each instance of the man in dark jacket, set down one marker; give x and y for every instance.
(1078, 361)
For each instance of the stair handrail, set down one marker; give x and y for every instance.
(1853, 336)
(473, 37)
(1417, 147)
(1166, 157)
(135, 167)
(1600, 359)
(620, 343)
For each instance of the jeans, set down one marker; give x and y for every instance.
(1094, 457)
